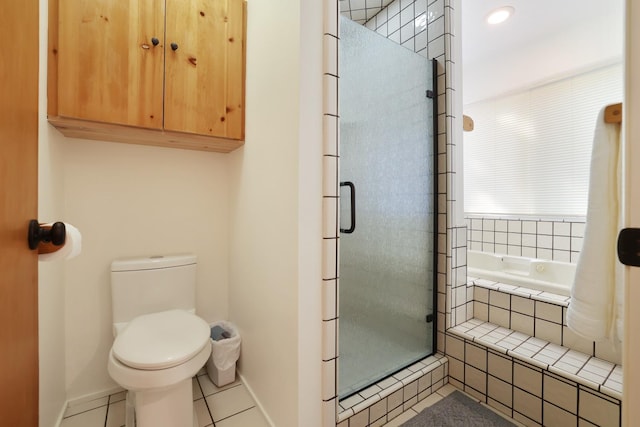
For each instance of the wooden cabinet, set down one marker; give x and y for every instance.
(167, 73)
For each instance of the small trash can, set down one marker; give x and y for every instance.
(225, 351)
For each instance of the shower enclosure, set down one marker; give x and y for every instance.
(387, 208)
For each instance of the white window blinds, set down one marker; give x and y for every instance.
(529, 153)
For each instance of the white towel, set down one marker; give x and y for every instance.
(593, 312)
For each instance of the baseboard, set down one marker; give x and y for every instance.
(255, 398)
(93, 396)
(61, 414)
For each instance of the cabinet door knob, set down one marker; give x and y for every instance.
(155, 41)
(174, 46)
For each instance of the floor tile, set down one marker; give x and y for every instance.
(202, 412)
(427, 401)
(197, 392)
(116, 414)
(92, 418)
(402, 418)
(251, 417)
(229, 402)
(86, 406)
(209, 388)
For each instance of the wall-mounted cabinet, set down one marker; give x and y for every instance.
(168, 73)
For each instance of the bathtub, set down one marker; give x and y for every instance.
(542, 275)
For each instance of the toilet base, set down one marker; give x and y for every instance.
(172, 407)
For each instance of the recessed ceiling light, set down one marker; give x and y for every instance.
(500, 15)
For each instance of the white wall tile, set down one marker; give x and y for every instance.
(500, 299)
(329, 211)
(476, 356)
(330, 94)
(329, 299)
(500, 367)
(548, 331)
(500, 391)
(554, 416)
(330, 21)
(522, 323)
(475, 378)
(527, 404)
(330, 176)
(499, 316)
(560, 393)
(527, 379)
(523, 305)
(598, 410)
(329, 258)
(328, 379)
(329, 339)
(550, 312)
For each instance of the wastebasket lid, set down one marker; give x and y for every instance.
(161, 340)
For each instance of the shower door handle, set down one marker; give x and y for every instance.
(352, 187)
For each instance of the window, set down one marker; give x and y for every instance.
(530, 151)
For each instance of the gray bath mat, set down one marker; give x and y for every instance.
(457, 410)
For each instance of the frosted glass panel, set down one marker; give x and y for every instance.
(387, 263)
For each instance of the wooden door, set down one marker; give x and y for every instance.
(205, 73)
(108, 68)
(18, 204)
(631, 126)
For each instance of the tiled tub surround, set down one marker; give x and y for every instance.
(534, 313)
(535, 390)
(519, 357)
(385, 400)
(554, 240)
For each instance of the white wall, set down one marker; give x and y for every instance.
(130, 200)
(274, 291)
(584, 46)
(51, 303)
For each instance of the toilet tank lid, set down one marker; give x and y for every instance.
(152, 262)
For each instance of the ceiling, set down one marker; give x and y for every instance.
(543, 40)
(532, 21)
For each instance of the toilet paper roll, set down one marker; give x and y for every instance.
(71, 248)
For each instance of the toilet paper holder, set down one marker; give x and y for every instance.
(55, 234)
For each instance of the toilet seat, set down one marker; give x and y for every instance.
(161, 340)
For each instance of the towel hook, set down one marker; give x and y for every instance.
(55, 234)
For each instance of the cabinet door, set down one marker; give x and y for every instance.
(108, 67)
(204, 90)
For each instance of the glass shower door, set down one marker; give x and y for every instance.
(387, 208)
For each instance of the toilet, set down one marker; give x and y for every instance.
(160, 343)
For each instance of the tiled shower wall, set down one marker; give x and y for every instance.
(554, 240)
(427, 27)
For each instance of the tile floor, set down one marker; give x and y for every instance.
(228, 406)
(435, 397)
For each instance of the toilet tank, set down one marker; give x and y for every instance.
(149, 285)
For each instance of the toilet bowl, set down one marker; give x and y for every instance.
(160, 344)
(155, 356)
